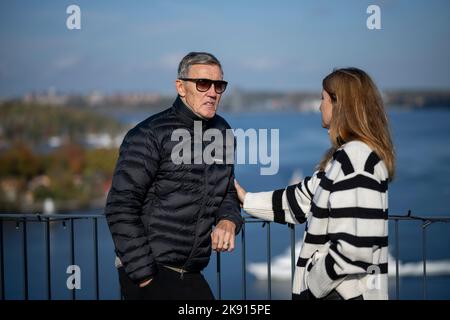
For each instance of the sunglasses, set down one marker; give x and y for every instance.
(203, 85)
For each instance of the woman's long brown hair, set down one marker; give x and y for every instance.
(358, 114)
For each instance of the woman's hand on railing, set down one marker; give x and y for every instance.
(240, 192)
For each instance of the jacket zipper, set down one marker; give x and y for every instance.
(198, 218)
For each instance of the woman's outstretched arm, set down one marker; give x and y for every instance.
(289, 205)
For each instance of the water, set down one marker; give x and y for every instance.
(422, 140)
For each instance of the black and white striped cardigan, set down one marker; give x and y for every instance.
(345, 207)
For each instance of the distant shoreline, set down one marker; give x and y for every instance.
(235, 100)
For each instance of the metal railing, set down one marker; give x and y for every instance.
(426, 221)
(25, 219)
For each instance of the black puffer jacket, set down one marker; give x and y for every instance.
(161, 212)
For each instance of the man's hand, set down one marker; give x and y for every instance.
(145, 283)
(222, 237)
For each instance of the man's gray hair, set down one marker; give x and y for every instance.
(196, 58)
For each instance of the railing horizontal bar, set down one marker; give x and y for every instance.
(431, 219)
(261, 221)
(53, 215)
(41, 218)
(248, 219)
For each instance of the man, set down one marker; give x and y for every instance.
(161, 213)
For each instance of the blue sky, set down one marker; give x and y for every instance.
(263, 45)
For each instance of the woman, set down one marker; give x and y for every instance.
(345, 203)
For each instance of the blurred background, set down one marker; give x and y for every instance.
(68, 96)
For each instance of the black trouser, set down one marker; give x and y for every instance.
(333, 295)
(167, 285)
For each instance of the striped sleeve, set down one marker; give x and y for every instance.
(357, 231)
(289, 205)
(133, 175)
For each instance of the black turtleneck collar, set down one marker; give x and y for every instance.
(186, 112)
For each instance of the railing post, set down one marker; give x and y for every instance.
(425, 224)
(292, 227)
(72, 250)
(25, 257)
(397, 256)
(3, 260)
(244, 264)
(269, 264)
(219, 282)
(49, 260)
(97, 291)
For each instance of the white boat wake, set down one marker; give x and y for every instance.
(281, 267)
